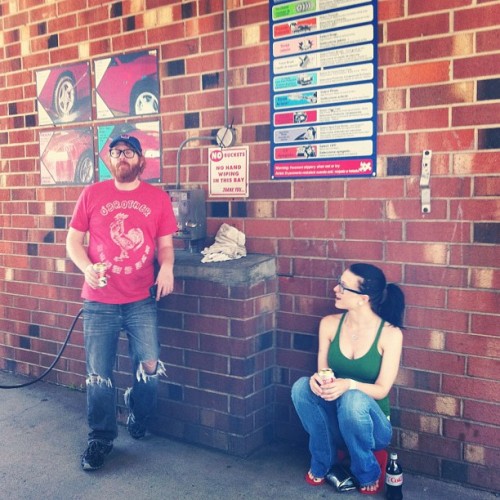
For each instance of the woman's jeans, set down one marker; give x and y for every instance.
(102, 326)
(353, 421)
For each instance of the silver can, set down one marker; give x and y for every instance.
(326, 375)
(100, 269)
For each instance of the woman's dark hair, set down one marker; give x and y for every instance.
(386, 300)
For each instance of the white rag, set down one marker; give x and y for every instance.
(229, 245)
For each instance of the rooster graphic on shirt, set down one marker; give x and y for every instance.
(129, 240)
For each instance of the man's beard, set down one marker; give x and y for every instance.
(128, 174)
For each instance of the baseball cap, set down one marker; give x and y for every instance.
(129, 140)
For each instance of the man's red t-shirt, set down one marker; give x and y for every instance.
(123, 227)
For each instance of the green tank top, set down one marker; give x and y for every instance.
(364, 369)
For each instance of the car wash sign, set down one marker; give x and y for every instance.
(228, 172)
(324, 88)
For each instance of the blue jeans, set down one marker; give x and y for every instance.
(102, 326)
(353, 421)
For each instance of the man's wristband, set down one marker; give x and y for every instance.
(352, 384)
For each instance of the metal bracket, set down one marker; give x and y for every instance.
(425, 176)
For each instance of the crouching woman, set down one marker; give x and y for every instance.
(363, 347)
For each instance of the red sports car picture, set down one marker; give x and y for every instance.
(148, 134)
(127, 85)
(67, 156)
(64, 94)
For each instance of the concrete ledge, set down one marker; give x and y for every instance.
(247, 270)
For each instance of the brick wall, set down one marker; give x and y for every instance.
(439, 81)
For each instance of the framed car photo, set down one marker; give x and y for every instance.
(148, 134)
(127, 85)
(63, 94)
(67, 156)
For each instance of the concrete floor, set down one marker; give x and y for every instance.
(43, 432)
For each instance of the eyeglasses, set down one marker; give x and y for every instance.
(116, 153)
(344, 288)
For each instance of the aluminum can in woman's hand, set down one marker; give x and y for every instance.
(326, 375)
(100, 269)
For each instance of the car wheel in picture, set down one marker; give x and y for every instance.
(144, 99)
(64, 96)
(84, 171)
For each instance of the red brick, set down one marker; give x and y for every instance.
(246, 16)
(392, 54)
(435, 95)
(418, 74)
(477, 66)
(464, 431)
(199, 101)
(258, 74)
(414, 120)
(301, 209)
(391, 144)
(474, 256)
(376, 230)
(257, 114)
(325, 189)
(425, 297)
(391, 99)
(122, 43)
(485, 367)
(477, 17)
(443, 140)
(375, 188)
(467, 387)
(390, 9)
(435, 276)
(476, 210)
(486, 41)
(354, 209)
(427, 402)
(487, 186)
(417, 27)
(356, 250)
(489, 413)
(425, 6)
(436, 319)
(90, 16)
(485, 278)
(315, 229)
(73, 36)
(487, 478)
(261, 227)
(436, 48)
(416, 253)
(15, 20)
(434, 361)
(475, 115)
(476, 163)
(439, 446)
(474, 300)
(457, 187)
(438, 231)
(260, 93)
(299, 360)
(485, 324)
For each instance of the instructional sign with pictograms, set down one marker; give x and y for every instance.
(323, 56)
(228, 172)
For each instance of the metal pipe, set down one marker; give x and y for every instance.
(226, 106)
(226, 98)
(179, 151)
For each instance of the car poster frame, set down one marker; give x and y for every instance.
(64, 94)
(323, 58)
(126, 78)
(149, 135)
(67, 156)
